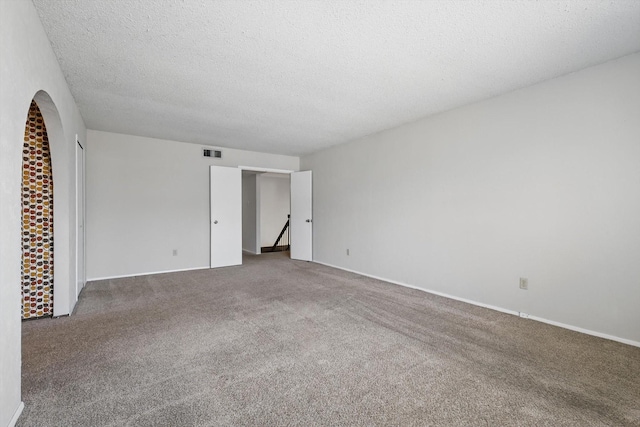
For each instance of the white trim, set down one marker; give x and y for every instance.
(586, 331)
(80, 210)
(16, 415)
(493, 307)
(147, 273)
(256, 169)
(250, 252)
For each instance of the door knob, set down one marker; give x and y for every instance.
(215, 221)
(308, 220)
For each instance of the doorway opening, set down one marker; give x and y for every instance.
(236, 221)
(265, 211)
(37, 219)
(275, 210)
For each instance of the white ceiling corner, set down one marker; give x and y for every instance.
(294, 77)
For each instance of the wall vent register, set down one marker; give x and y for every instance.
(212, 153)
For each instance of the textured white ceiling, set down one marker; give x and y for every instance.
(293, 77)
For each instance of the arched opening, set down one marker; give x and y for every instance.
(64, 207)
(62, 173)
(37, 218)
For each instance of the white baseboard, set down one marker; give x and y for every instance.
(146, 274)
(492, 307)
(250, 252)
(586, 331)
(16, 415)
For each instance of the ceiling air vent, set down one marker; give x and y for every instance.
(212, 153)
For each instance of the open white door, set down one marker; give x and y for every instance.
(80, 239)
(226, 216)
(301, 216)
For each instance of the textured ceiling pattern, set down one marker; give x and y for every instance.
(293, 77)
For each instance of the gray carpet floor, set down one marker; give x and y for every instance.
(281, 342)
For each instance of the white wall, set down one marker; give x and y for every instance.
(542, 183)
(250, 214)
(29, 69)
(275, 191)
(147, 197)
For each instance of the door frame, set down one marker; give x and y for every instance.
(81, 257)
(262, 170)
(285, 171)
(255, 169)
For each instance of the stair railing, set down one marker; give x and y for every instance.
(284, 237)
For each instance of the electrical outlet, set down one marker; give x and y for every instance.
(175, 252)
(347, 252)
(524, 283)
